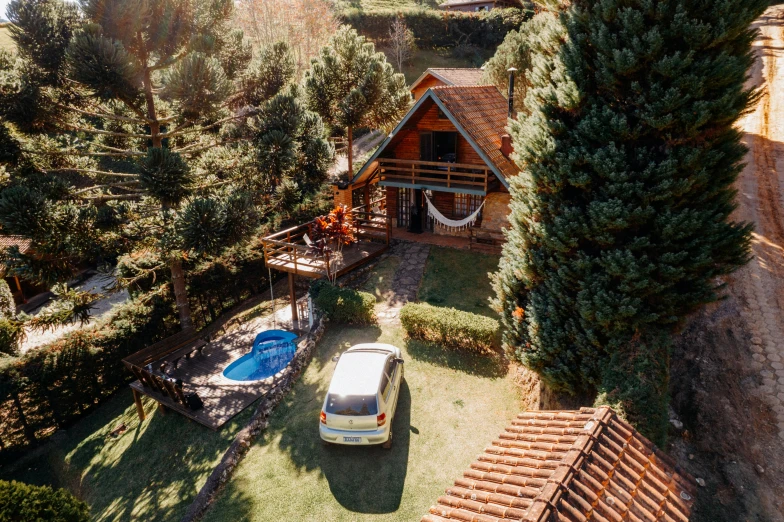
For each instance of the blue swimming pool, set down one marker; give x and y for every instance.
(272, 351)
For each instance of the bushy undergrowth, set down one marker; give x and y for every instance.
(635, 384)
(433, 28)
(449, 327)
(344, 305)
(21, 502)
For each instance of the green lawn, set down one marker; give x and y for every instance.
(451, 406)
(426, 58)
(152, 472)
(5, 39)
(459, 278)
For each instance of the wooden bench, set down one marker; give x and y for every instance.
(149, 363)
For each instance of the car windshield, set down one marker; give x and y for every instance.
(354, 405)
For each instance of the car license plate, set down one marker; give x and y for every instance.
(352, 439)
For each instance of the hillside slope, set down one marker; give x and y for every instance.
(728, 366)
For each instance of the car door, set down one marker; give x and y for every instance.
(393, 372)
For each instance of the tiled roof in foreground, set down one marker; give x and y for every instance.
(575, 466)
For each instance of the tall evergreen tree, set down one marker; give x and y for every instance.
(620, 222)
(351, 85)
(115, 103)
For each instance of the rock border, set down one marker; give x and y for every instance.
(282, 384)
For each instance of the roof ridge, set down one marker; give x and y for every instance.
(545, 503)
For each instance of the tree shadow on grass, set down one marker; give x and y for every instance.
(150, 472)
(492, 365)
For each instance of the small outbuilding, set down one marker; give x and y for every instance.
(445, 77)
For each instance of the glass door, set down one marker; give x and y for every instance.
(404, 201)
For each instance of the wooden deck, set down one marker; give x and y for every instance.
(287, 250)
(203, 374)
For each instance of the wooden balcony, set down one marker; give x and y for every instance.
(434, 175)
(287, 250)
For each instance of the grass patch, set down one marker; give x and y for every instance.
(448, 412)
(151, 472)
(426, 58)
(459, 279)
(5, 39)
(379, 282)
(385, 5)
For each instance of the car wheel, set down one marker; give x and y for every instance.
(388, 443)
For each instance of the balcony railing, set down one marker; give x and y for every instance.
(288, 250)
(434, 174)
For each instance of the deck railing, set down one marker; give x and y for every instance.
(435, 173)
(289, 246)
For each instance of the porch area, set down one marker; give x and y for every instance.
(289, 251)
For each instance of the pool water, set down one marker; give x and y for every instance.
(272, 351)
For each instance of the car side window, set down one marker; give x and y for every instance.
(386, 382)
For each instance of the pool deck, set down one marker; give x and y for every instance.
(203, 374)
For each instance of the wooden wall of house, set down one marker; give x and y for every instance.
(407, 141)
(427, 83)
(392, 204)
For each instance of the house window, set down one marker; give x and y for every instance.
(466, 204)
(442, 115)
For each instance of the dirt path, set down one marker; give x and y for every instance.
(761, 187)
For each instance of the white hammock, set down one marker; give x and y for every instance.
(451, 224)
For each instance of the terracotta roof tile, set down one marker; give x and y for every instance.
(482, 111)
(570, 466)
(17, 241)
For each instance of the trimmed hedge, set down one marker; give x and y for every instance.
(25, 503)
(343, 305)
(435, 28)
(449, 327)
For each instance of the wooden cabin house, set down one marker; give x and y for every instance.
(439, 77)
(450, 151)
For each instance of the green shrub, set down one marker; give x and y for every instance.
(7, 305)
(343, 305)
(635, 383)
(449, 327)
(25, 503)
(11, 333)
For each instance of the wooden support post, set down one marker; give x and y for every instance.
(367, 197)
(137, 398)
(293, 296)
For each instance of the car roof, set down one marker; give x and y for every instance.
(358, 373)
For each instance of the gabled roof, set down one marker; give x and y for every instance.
(478, 112)
(586, 465)
(453, 76)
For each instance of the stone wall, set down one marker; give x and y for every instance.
(495, 215)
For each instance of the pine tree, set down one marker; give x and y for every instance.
(115, 105)
(620, 223)
(351, 85)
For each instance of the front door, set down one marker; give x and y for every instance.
(405, 197)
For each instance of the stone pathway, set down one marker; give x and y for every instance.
(761, 202)
(413, 257)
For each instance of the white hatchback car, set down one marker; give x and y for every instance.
(362, 397)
